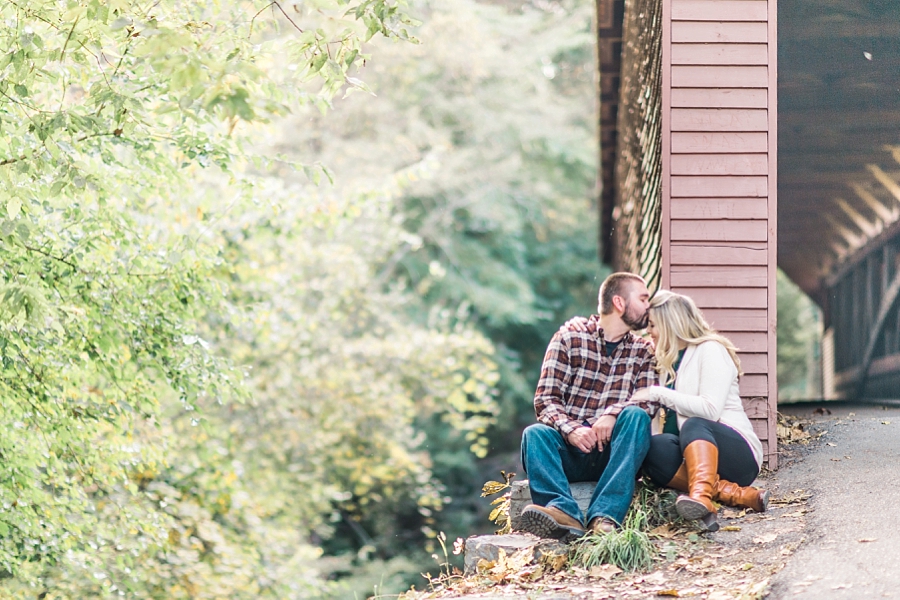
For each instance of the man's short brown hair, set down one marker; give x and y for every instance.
(616, 284)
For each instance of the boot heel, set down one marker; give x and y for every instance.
(709, 523)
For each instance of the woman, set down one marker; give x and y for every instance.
(707, 447)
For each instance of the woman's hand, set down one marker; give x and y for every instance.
(642, 395)
(578, 325)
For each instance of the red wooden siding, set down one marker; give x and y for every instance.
(719, 116)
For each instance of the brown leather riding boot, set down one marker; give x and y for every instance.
(679, 479)
(702, 461)
(732, 494)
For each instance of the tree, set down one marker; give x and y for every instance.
(107, 109)
(798, 337)
(489, 124)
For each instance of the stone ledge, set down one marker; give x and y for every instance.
(520, 497)
(488, 547)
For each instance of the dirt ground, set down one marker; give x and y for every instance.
(737, 562)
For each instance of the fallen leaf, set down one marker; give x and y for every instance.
(847, 457)
(830, 444)
(746, 566)
(765, 539)
(842, 586)
(554, 561)
(867, 540)
(851, 414)
(885, 422)
(485, 564)
(798, 513)
(836, 459)
(663, 531)
(821, 411)
(605, 572)
(756, 590)
(657, 578)
(730, 528)
(672, 593)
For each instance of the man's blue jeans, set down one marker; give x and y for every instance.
(551, 464)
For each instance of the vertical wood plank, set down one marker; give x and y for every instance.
(666, 211)
(772, 454)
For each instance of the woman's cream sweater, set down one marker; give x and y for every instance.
(707, 387)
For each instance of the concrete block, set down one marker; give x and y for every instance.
(488, 547)
(521, 497)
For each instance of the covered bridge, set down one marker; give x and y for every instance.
(741, 135)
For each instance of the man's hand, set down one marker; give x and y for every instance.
(603, 429)
(583, 438)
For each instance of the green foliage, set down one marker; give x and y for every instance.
(629, 547)
(798, 341)
(213, 372)
(653, 506)
(118, 473)
(489, 125)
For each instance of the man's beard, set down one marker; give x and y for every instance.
(635, 321)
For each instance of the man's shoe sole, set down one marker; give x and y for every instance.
(545, 526)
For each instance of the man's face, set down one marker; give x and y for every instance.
(637, 306)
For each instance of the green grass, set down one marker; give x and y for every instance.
(630, 547)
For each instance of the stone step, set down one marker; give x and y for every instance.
(521, 497)
(488, 547)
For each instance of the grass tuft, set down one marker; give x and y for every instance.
(630, 547)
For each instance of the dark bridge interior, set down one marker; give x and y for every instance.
(839, 178)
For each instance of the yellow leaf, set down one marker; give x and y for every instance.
(485, 565)
(492, 487)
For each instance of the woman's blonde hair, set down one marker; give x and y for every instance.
(676, 317)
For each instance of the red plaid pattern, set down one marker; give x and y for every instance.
(579, 382)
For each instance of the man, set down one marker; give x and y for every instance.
(581, 434)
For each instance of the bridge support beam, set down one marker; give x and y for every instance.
(888, 305)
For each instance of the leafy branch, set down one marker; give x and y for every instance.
(500, 514)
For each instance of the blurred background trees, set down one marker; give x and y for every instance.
(224, 375)
(277, 282)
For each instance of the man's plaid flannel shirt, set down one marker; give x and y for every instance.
(580, 383)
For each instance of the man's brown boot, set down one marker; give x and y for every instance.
(550, 522)
(602, 525)
(732, 494)
(702, 461)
